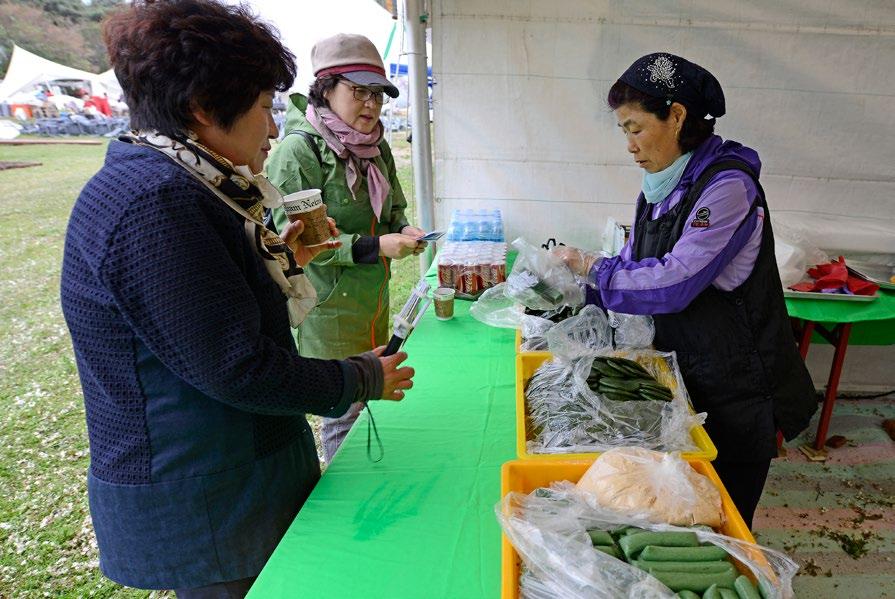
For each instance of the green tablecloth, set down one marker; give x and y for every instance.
(420, 523)
(874, 322)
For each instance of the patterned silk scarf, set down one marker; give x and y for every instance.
(248, 195)
(357, 150)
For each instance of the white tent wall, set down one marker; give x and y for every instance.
(521, 122)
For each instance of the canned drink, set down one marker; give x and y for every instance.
(495, 271)
(469, 282)
(446, 273)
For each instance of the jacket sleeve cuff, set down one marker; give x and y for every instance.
(365, 250)
(370, 377)
(341, 256)
(349, 390)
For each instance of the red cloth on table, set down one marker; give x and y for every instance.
(835, 275)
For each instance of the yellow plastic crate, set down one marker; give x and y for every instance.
(524, 476)
(526, 364)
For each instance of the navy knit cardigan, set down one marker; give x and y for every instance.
(200, 455)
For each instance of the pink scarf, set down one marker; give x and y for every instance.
(356, 149)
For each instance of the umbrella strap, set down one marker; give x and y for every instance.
(371, 425)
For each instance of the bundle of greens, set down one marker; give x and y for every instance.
(678, 559)
(620, 379)
(614, 399)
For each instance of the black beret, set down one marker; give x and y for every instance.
(664, 75)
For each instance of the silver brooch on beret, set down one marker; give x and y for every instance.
(662, 70)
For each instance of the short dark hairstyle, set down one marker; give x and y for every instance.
(695, 129)
(320, 86)
(173, 56)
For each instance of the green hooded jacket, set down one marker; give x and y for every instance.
(352, 311)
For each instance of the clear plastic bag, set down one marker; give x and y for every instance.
(652, 485)
(580, 335)
(794, 254)
(613, 238)
(566, 416)
(548, 529)
(541, 280)
(589, 330)
(537, 322)
(534, 331)
(495, 309)
(632, 331)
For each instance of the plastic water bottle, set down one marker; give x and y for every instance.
(498, 226)
(484, 226)
(453, 232)
(470, 227)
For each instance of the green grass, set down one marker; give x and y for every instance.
(405, 273)
(47, 547)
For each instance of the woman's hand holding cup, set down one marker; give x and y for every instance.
(303, 253)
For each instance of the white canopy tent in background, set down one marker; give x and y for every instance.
(27, 70)
(302, 23)
(521, 122)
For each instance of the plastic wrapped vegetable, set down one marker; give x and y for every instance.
(556, 408)
(638, 399)
(534, 333)
(632, 331)
(536, 323)
(593, 329)
(540, 280)
(580, 335)
(549, 530)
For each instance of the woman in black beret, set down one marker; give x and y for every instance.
(700, 260)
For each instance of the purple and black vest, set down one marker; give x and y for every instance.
(735, 348)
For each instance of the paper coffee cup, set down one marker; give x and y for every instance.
(443, 298)
(307, 206)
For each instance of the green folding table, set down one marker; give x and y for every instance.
(840, 323)
(420, 523)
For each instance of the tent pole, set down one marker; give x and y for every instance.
(415, 24)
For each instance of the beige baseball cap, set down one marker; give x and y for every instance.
(353, 57)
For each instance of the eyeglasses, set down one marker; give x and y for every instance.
(363, 94)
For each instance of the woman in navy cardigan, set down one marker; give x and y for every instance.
(179, 302)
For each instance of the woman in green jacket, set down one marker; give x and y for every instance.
(334, 143)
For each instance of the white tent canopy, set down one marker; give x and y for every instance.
(521, 121)
(26, 70)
